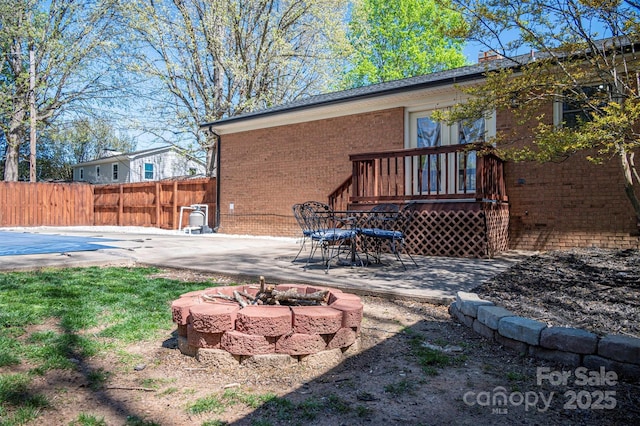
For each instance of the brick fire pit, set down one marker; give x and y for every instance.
(223, 331)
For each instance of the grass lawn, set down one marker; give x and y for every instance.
(87, 310)
(95, 346)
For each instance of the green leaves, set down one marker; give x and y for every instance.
(71, 43)
(578, 94)
(400, 39)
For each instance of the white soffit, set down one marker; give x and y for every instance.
(430, 98)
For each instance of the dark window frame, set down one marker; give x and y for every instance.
(146, 172)
(114, 171)
(573, 112)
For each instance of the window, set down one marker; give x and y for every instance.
(428, 134)
(571, 112)
(455, 171)
(97, 171)
(469, 131)
(148, 171)
(81, 174)
(114, 171)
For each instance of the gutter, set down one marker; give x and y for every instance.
(442, 78)
(303, 105)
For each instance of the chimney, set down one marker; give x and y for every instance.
(490, 55)
(108, 152)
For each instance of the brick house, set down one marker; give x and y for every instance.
(377, 143)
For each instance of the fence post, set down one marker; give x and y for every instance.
(120, 204)
(157, 201)
(92, 209)
(175, 205)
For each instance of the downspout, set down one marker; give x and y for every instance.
(218, 139)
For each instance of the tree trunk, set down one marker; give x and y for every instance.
(628, 167)
(14, 136)
(11, 163)
(212, 152)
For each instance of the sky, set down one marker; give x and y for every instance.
(471, 52)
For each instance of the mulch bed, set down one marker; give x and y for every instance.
(593, 289)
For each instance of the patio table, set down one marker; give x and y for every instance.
(353, 219)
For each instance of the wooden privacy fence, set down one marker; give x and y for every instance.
(45, 204)
(152, 203)
(134, 204)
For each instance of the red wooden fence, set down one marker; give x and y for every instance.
(73, 204)
(45, 204)
(152, 203)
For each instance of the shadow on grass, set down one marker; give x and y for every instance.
(436, 373)
(45, 349)
(400, 380)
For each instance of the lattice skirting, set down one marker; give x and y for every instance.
(497, 223)
(459, 233)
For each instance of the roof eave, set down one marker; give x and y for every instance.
(460, 75)
(358, 97)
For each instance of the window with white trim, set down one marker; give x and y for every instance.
(570, 113)
(148, 171)
(114, 171)
(461, 168)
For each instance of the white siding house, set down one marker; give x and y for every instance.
(140, 166)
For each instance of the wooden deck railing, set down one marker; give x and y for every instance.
(339, 198)
(452, 172)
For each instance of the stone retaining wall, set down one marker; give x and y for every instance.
(222, 333)
(568, 346)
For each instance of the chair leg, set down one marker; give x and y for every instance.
(304, 239)
(397, 253)
(331, 254)
(412, 259)
(364, 241)
(334, 253)
(376, 248)
(324, 249)
(312, 251)
(407, 253)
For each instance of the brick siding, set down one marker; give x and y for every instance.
(264, 172)
(572, 203)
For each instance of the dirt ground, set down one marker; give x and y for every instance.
(593, 289)
(153, 383)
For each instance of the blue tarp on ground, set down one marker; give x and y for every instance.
(16, 243)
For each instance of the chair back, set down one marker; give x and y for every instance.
(385, 208)
(382, 216)
(317, 216)
(408, 214)
(299, 216)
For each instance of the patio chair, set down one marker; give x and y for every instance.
(306, 230)
(326, 232)
(386, 224)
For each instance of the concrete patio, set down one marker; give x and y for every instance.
(435, 280)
